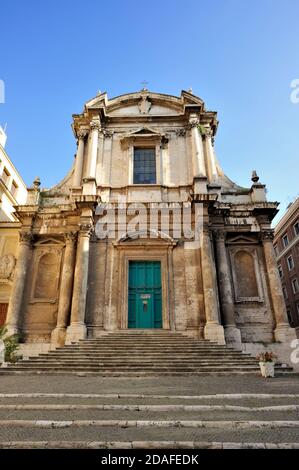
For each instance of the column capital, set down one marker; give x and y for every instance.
(81, 134)
(86, 229)
(219, 235)
(193, 122)
(70, 237)
(267, 235)
(95, 124)
(26, 237)
(108, 133)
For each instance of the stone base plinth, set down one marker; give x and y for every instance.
(233, 337)
(75, 332)
(58, 337)
(214, 332)
(284, 333)
(11, 330)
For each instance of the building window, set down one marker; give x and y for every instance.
(5, 176)
(280, 271)
(298, 308)
(144, 166)
(285, 293)
(290, 262)
(285, 240)
(276, 250)
(295, 285)
(296, 228)
(14, 188)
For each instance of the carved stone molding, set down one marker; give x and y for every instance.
(85, 229)
(82, 134)
(7, 266)
(267, 235)
(208, 133)
(219, 235)
(26, 237)
(70, 237)
(95, 125)
(108, 133)
(180, 132)
(193, 122)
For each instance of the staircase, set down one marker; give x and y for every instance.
(141, 353)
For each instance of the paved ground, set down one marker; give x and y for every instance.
(249, 410)
(149, 385)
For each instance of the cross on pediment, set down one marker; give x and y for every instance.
(144, 85)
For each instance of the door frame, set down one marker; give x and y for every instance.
(152, 296)
(163, 255)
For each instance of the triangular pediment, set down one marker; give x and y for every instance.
(241, 240)
(143, 131)
(48, 241)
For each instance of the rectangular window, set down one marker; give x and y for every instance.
(285, 240)
(285, 293)
(290, 262)
(144, 166)
(5, 176)
(276, 250)
(296, 228)
(280, 271)
(14, 188)
(295, 286)
(298, 308)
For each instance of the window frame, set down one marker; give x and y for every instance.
(154, 164)
(295, 282)
(294, 227)
(291, 265)
(285, 236)
(280, 271)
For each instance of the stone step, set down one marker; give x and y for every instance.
(134, 363)
(142, 367)
(141, 353)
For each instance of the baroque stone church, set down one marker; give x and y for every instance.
(158, 150)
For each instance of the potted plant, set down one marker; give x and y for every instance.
(267, 363)
(9, 347)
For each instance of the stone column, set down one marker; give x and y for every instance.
(283, 332)
(212, 330)
(89, 180)
(16, 298)
(231, 332)
(200, 169)
(77, 178)
(66, 288)
(211, 155)
(95, 126)
(77, 329)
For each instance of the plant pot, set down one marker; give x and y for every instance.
(267, 368)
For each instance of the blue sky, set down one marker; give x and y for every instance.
(239, 56)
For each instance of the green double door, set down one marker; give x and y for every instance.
(145, 294)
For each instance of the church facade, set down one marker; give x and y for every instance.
(147, 232)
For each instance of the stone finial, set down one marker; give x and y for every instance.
(190, 91)
(254, 177)
(36, 183)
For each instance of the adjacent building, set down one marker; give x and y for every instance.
(286, 246)
(13, 192)
(147, 232)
